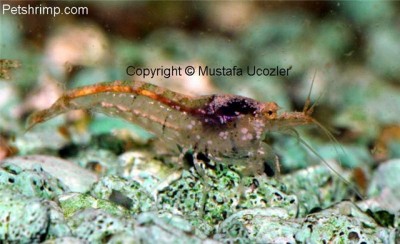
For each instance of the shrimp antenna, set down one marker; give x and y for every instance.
(309, 147)
(329, 135)
(327, 132)
(311, 109)
(307, 107)
(308, 110)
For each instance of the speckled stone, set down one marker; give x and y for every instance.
(66, 240)
(211, 199)
(167, 228)
(129, 194)
(316, 187)
(23, 219)
(76, 178)
(343, 223)
(58, 227)
(269, 225)
(30, 182)
(96, 225)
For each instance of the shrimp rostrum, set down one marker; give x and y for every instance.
(226, 128)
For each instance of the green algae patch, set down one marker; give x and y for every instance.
(74, 202)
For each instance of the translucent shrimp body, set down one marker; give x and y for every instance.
(226, 128)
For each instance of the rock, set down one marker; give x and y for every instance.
(30, 182)
(269, 225)
(76, 178)
(385, 185)
(129, 194)
(316, 187)
(207, 200)
(167, 228)
(75, 202)
(343, 223)
(65, 240)
(58, 227)
(97, 226)
(23, 219)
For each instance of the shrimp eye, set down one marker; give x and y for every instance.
(269, 110)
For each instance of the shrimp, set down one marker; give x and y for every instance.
(226, 128)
